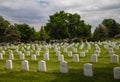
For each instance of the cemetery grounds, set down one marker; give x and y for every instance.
(103, 69)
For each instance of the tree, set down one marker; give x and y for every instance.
(37, 35)
(43, 35)
(57, 26)
(100, 33)
(65, 25)
(27, 33)
(12, 34)
(112, 26)
(4, 24)
(87, 31)
(33, 38)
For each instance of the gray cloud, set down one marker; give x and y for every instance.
(36, 12)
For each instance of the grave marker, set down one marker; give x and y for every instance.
(64, 67)
(116, 71)
(25, 65)
(88, 69)
(42, 66)
(9, 64)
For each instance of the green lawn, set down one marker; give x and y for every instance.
(103, 69)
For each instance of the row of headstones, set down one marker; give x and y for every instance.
(93, 58)
(25, 65)
(34, 46)
(38, 48)
(113, 45)
(22, 57)
(46, 47)
(88, 68)
(112, 55)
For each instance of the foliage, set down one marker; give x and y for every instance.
(27, 33)
(12, 34)
(112, 26)
(65, 25)
(100, 33)
(4, 24)
(43, 35)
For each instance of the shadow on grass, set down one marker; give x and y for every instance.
(74, 75)
(100, 75)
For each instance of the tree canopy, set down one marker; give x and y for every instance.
(107, 30)
(26, 32)
(65, 25)
(112, 26)
(12, 34)
(4, 24)
(61, 25)
(100, 33)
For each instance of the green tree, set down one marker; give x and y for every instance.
(57, 26)
(65, 25)
(12, 34)
(27, 33)
(112, 27)
(4, 24)
(33, 37)
(100, 33)
(87, 31)
(43, 35)
(37, 35)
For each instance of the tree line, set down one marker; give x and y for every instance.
(60, 26)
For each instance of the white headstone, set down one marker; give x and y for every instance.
(25, 65)
(75, 50)
(56, 49)
(11, 57)
(75, 58)
(94, 58)
(17, 50)
(23, 50)
(82, 54)
(57, 53)
(115, 59)
(37, 53)
(61, 58)
(42, 66)
(116, 72)
(1, 56)
(3, 52)
(33, 47)
(88, 69)
(28, 53)
(9, 64)
(33, 57)
(10, 52)
(70, 54)
(97, 53)
(64, 67)
(65, 50)
(46, 56)
(22, 56)
(111, 53)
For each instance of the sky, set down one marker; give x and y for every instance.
(36, 12)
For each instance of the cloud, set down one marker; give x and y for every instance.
(36, 12)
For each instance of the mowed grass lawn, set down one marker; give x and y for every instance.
(103, 69)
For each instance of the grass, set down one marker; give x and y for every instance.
(103, 69)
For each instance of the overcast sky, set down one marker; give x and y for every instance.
(36, 12)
